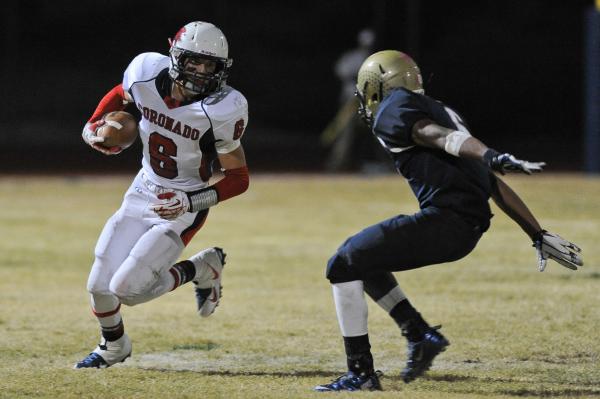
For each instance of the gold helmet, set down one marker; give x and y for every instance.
(379, 75)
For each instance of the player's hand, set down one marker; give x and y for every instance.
(507, 163)
(172, 204)
(552, 246)
(91, 138)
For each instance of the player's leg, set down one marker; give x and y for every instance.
(144, 275)
(424, 341)
(149, 271)
(398, 244)
(383, 288)
(119, 235)
(352, 313)
(205, 269)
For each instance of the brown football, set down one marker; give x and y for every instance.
(113, 135)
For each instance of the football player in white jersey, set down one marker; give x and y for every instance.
(189, 119)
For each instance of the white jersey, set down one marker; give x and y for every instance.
(181, 143)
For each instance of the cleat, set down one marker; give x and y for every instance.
(107, 354)
(353, 382)
(208, 287)
(422, 353)
(93, 360)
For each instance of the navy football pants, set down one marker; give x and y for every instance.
(403, 242)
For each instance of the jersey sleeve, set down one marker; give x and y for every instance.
(230, 123)
(397, 117)
(143, 67)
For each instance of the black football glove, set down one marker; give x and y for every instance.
(507, 163)
(552, 246)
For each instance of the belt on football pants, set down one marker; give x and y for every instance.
(150, 185)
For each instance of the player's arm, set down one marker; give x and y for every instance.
(115, 100)
(461, 144)
(235, 181)
(511, 204)
(548, 245)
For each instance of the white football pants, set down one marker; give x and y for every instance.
(136, 249)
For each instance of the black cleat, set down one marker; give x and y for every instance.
(353, 382)
(94, 360)
(422, 353)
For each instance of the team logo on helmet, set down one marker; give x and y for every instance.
(179, 33)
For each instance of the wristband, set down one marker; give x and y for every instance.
(202, 199)
(489, 156)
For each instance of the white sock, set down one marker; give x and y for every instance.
(351, 308)
(106, 309)
(391, 299)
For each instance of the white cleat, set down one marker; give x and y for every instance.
(209, 272)
(107, 353)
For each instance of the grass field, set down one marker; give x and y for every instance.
(515, 332)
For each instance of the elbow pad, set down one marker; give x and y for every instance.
(454, 141)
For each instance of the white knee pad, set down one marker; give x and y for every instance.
(99, 278)
(118, 238)
(144, 274)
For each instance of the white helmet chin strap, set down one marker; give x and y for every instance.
(184, 91)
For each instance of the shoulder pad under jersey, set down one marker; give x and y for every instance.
(227, 104)
(228, 112)
(144, 67)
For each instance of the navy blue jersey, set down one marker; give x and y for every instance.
(437, 178)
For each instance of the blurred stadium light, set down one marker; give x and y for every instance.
(592, 90)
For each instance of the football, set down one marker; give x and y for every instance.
(119, 130)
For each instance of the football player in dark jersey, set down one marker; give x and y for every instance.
(452, 175)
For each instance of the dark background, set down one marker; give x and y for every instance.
(513, 69)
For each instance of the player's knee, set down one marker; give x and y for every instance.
(125, 291)
(130, 300)
(126, 297)
(98, 281)
(339, 271)
(94, 287)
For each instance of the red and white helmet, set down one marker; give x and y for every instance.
(199, 41)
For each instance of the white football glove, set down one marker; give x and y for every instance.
(89, 136)
(173, 203)
(552, 246)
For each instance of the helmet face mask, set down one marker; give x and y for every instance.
(196, 44)
(379, 75)
(184, 73)
(364, 111)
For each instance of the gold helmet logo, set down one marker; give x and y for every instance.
(382, 73)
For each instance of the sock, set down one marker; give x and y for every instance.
(358, 354)
(391, 299)
(351, 308)
(182, 272)
(410, 321)
(111, 323)
(113, 333)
